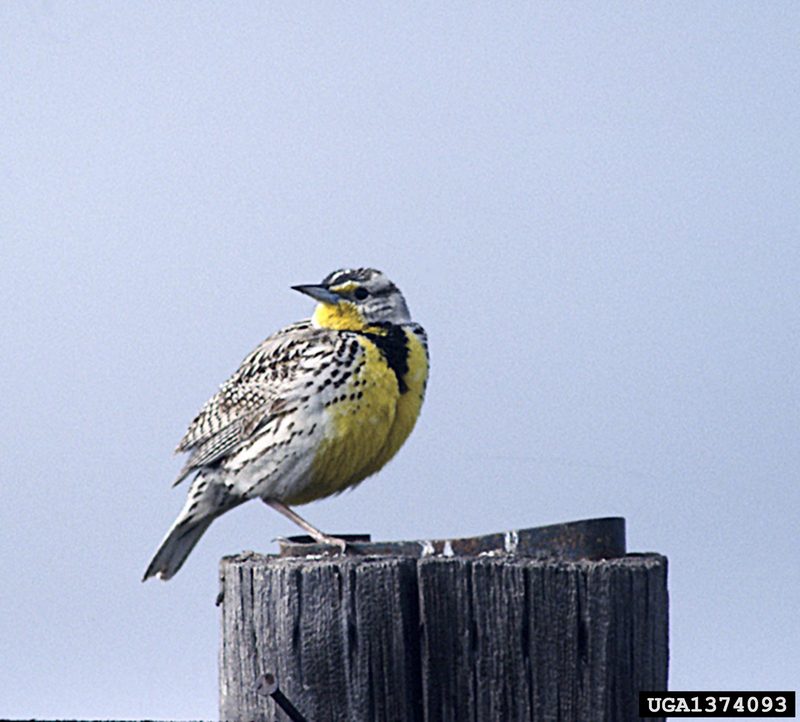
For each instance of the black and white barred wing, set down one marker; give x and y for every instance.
(267, 383)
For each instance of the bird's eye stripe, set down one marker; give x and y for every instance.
(344, 287)
(385, 291)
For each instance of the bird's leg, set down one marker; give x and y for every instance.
(318, 536)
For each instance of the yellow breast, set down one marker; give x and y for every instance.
(368, 422)
(408, 404)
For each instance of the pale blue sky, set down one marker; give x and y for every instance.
(593, 208)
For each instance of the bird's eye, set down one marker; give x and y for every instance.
(361, 293)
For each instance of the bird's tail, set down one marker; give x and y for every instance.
(175, 547)
(207, 500)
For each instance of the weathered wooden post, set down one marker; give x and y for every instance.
(555, 623)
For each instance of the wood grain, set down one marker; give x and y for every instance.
(443, 639)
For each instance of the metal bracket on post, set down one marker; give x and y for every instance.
(585, 539)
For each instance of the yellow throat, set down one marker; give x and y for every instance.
(342, 316)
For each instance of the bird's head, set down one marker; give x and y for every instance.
(356, 298)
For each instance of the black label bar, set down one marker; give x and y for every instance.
(716, 704)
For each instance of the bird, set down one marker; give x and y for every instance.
(313, 410)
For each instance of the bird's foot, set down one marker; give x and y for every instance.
(316, 534)
(333, 541)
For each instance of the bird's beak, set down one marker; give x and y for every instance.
(319, 292)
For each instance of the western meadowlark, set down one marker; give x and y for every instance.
(315, 409)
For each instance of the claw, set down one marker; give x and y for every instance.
(334, 541)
